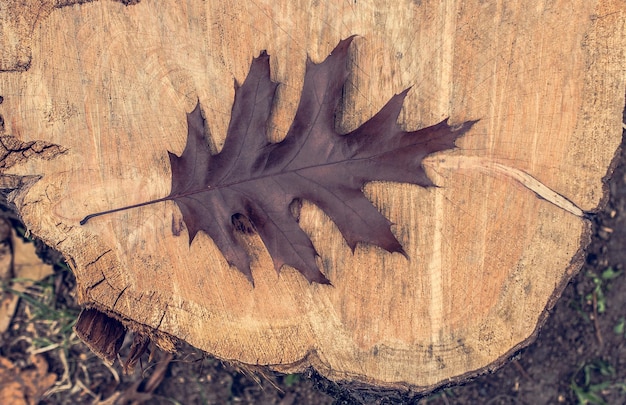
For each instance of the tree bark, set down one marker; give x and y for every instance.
(96, 94)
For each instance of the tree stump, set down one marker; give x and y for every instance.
(96, 94)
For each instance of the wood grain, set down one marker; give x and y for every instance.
(488, 254)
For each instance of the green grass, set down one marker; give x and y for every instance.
(601, 285)
(594, 380)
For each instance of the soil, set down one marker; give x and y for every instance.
(579, 356)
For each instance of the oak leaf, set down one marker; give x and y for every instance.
(259, 180)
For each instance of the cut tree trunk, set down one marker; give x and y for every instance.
(96, 94)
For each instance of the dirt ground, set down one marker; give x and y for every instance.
(578, 358)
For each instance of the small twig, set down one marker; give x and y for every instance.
(444, 397)
(65, 383)
(113, 372)
(503, 398)
(53, 346)
(159, 373)
(595, 319)
(521, 370)
(86, 390)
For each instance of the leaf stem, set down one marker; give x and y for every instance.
(97, 214)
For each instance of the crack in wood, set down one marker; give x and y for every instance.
(96, 284)
(13, 151)
(119, 296)
(91, 263)
(162, 317)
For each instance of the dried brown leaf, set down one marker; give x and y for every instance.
(25, 386)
